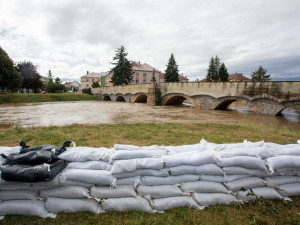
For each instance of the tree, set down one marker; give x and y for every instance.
(57, 80)
(122, 72)
(31, 78)
(260, 75)
(211, 72)
(56, 86)
(223, 74)
(172, 70)
(95, 84)
(10, 78)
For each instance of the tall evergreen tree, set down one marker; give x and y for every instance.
(211, 71)
(10, 78)
(32, 79)
(260, 75)
(223, 74)
(172, 70)
(122, 72)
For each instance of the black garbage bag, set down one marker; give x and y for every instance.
(26, 173)
(58, 150)
(31, 158)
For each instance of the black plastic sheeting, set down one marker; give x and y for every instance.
(58, 150)
(26, 173)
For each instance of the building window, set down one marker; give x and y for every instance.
(144, 75)
(92, 80)
(144, 81)
(87, 85)
(87, 80)
(137, 81)
(136, 74)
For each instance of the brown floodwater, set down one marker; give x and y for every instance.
(98, 112)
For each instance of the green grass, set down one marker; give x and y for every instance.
(50, 97)
(259, 212)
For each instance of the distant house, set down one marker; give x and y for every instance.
(75, 86)
(233, 77)
(142, 74)
(88, 79)
(181, 78)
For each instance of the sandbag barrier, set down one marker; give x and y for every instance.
(157, 178)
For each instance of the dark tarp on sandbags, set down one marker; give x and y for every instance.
(25, 173)
(58, 150)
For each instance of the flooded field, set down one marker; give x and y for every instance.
(97, 112)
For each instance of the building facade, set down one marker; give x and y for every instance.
(88, 79)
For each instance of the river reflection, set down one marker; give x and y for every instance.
(97, 112)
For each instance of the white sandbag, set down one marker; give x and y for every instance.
(161, 191)
(15, 186)
(118, 155)
(66, 192)
(242, 161)
(154, 181)
(59, 205)
(207, 199)
(25, 207)
(262, 152)
(260, 192)
(144, 172)
(77, 183)
(18, 195)
(134, 147)
(90, 165)
(192, 159)
(221, 179)
(126, 204)
(203, 187)
(161, 204)
(82, 154)
(246, 183)
(287, 150)
(55, 182)
(283, 161)
(185, 148)
(280, 180)
(120, 191)
(235, 170)
(99, 177)
(291, 171)
(131, 165)
(279, 146)
(292, 189)
(134, 181)
(10, 150)
(208, 169)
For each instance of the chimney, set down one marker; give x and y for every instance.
(87, 72)
(139, 63)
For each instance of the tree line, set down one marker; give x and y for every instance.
(24, 76)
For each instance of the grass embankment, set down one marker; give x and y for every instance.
(49, 97)
(262, 212)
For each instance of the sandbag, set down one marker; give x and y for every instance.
(207, 199)
(18, 195)
(15, 186)
(118, 155)
(120, 191)
(162, 204)
(203, 187)
(144, 172)
(283, 161)
(262, 152)
(59, 205)
(24, 207)
(54, 182)
(287, 150)
(31, 158)
(290, 171)
(126, 204)
(246, 183)
(82, 154)
(10, 150)
(90, 165)
(99, 177)
(161, 191)
(131, 165)
(259, 192)
(66, 192)
(189, 158)
(280, 180)
(154, 181)
(221, 179)
(54, 148)
(134, 181)
(292, 189)
(208, 169)
(185, 148)
(235, 170)
(279, 146)
(134, 147)
(25, 173)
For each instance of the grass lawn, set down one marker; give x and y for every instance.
(259, 212)
(50, 97)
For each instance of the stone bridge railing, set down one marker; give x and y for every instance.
(262, 97)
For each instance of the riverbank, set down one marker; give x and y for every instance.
(261, 212)
(49, 97)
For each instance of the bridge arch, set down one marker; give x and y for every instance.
(120, 98)
(287, 105)
(140, 98)
(106, 98)
(176, 99)
(224, 102)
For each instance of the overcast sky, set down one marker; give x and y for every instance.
(71, 37)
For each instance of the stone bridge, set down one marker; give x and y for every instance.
(268, 98)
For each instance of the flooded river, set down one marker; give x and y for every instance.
(97, 112)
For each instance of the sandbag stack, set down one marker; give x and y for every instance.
(157, 178)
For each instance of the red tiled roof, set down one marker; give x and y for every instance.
(180, 77)
(143, 67)
(68, 83)
(237, 76)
